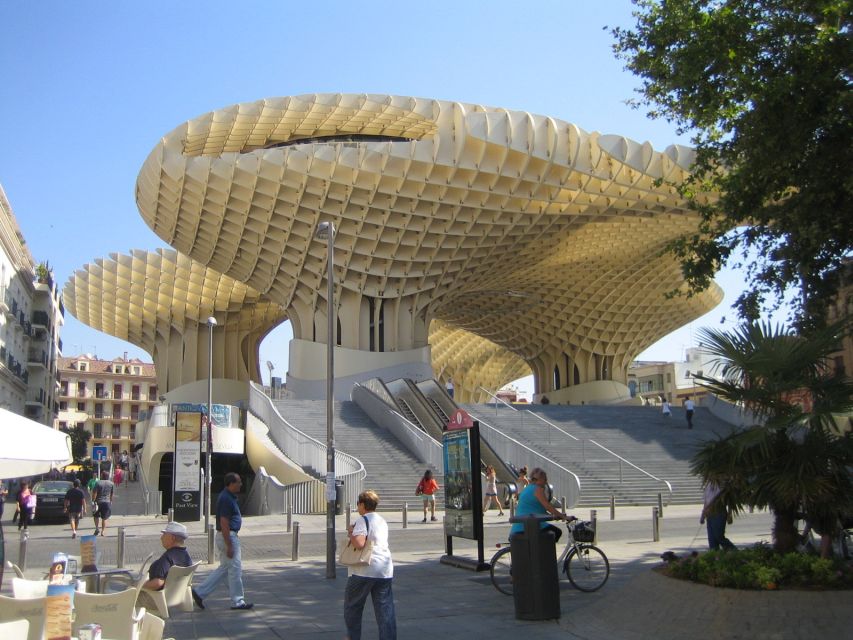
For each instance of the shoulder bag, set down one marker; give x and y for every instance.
(352, 557)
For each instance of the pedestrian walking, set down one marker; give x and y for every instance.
(449, 387)
(688, 410)
(102, 496)
(26, 500)
(666, 410)
(75, 506)
(228, 524)
(426, 489)
(715, 516)
(373, 579)
(492, 491)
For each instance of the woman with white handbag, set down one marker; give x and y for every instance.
(371, 570)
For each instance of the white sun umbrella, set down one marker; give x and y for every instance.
(28, 448)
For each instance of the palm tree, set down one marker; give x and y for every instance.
(795, 458)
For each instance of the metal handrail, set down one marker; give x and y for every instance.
(509, 448)
(629, 463)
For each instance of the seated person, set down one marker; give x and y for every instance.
(532, 500)
(173, 539)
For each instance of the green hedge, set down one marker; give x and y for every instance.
(760, 567)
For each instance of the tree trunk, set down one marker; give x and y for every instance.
(784, 531)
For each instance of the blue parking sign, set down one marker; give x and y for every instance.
(99, 453)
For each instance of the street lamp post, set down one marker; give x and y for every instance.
(208, 459)
(327, 230)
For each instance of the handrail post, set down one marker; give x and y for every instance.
(655, 524)
(349, 514)
(660, 505)
(405, 515)
(620, 471)
(563, 504)
(22, 550)
(593, 516)
(612, 506)
(289, 516)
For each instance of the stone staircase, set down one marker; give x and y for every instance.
(391, 470)
(661, 446)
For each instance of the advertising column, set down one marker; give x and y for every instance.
(187, 474)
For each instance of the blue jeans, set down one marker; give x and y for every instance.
(717, 539)
(358, 588)
(231, 567)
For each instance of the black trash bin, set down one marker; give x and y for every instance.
(535, 581)
(339, 497)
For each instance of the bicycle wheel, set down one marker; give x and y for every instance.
(500, 569)
(587, 568)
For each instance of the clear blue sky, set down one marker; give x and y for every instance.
(89, 88)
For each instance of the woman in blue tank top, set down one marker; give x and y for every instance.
(532, 500)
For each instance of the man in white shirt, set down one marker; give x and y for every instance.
(688, 409)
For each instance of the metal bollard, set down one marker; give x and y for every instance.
(593, 516)
(120, 551)
(294, 551)
(655, 524)
(171, 515)
(405, 515)
(660, 505)
(512, 506)
(211, 533)
(289, 517)
(349, 516)
(22, 550)
(563, 504)
(612, 506)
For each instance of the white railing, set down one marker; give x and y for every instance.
(269, 496)
(305, 451)
(619, 459)
(425, 448)
(566, 483)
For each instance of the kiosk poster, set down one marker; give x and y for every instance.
(187, 476)
(89, 553)
(458, 484)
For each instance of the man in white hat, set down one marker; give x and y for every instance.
(173, 539)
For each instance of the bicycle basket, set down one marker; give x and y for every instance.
(583, 532)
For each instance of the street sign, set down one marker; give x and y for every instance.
(99, 453)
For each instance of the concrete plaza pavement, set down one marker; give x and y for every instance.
(294, 599)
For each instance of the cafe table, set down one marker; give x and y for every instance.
(95, 578)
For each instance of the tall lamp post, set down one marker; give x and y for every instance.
(327, 230)
(208, 458)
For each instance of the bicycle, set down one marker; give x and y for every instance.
(584, 564)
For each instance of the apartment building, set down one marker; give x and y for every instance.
(31, 317)
(671, 381)
(106, 397)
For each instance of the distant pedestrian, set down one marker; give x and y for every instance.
(666, 410)
(3, 493)
(688, 410)
(449, 387)
(375, 578)
(26, 506)
(75, 506)
(522, 480)
(102, 496)
(228, 523)
(426, 489)
(492, 491)
(118, 476)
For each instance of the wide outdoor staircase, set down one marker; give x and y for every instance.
(661, 446)
(392, 471)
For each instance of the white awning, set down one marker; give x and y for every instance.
(29, 448)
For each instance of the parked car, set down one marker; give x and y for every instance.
(50, 499)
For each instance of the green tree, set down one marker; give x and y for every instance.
(764, 89)
(795, 459)
(79, 439)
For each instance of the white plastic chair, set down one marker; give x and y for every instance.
(23, 588)
(30, 609)
(15, 568)
(152, 627)
(15, 630)
(175, 594)
(113, 611)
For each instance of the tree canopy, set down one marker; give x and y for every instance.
(763, 88)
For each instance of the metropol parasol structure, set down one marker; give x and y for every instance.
(471, 242)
